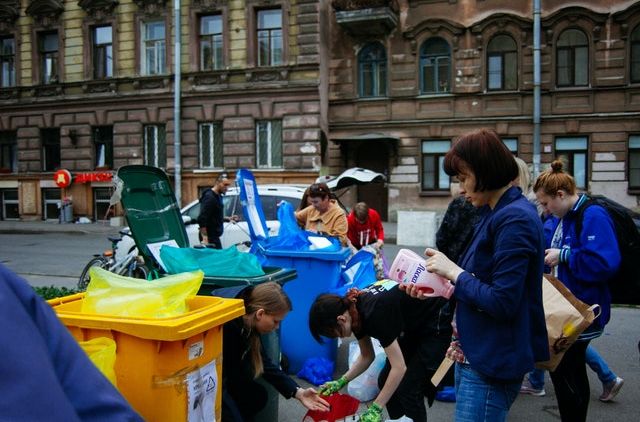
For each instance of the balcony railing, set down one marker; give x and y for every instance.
(366, 17)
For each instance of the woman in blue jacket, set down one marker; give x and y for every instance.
(245, 359)
(499, 318)
(584, 262)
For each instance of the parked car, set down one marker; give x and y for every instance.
(237, 233)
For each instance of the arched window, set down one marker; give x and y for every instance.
(502, 63)
(572, 58)
(435, 67)
(372, 66)
(635, 55)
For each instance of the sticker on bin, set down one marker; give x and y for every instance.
(409, 267)
(202, 387)
(196, 350)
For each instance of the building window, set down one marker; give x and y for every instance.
(10, 204)
(372, 70)
(211, 46)
(269, 143)
(102, 52)
(51, 203)
(634, 62)
(502, 63)
(433, 176)
(7, 62)
(210, 145)
(102, 204)
(634, 162)
(435, 64)
(269, 34)
(572, 58)
(103, 144)
(48, 48)
(153, 48)
(8, 152)
(511, 144)
(50, 139)
(573, 153)
(155, 146)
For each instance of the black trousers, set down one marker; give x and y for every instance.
(242, 403)
(571, 383)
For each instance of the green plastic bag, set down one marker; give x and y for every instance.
(228, 262)
(102, 352)
(112, 294)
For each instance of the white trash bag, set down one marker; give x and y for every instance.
(365, 386)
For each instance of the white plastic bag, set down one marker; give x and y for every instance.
(365, 386)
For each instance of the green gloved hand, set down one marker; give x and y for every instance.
(328, 388)
(372, 414)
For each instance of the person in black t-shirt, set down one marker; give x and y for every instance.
(211, 219)
(415, 335)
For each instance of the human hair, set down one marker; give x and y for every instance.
(524, 176)
(361, 210)
(482, 152)
(222, 176)
(554, 179)
(270, 297)
(304, 200)
(323, 315)
(319, 190)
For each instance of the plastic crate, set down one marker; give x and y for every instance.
(169, 369)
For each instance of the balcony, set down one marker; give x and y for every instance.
(366, 17)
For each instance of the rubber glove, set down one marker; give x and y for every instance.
(328, 388)
(372, 414)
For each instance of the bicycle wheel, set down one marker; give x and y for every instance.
(97, 261)
(139, 271)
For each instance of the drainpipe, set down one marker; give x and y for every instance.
(536, 88)
(176, 103)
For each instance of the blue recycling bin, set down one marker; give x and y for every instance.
(317, 272)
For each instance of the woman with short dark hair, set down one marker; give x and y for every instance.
(499, 316)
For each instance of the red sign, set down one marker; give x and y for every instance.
(62, 178)
(98, 176)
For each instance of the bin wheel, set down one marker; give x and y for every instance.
(97, 261)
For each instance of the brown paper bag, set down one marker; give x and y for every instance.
(566, 317)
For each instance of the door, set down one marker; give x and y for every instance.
(374, 155)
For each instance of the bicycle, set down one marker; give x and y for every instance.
(130, 265)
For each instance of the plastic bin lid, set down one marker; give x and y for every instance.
(339, 255)
(206, 312)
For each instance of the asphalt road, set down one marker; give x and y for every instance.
(58, 258)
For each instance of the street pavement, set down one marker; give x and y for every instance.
(619, 345)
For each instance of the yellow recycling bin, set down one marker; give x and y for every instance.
(169, 369)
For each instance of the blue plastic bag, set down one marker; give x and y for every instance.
(359, 272)
(316, 370)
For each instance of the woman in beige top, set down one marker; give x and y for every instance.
(324, 215)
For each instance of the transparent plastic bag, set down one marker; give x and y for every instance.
(112, 294)
(365, 386)
(102, 352)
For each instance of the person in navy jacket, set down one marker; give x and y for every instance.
(245, 358)
(584, 264)
(46, 374)
(499, 319)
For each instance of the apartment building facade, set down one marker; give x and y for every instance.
(88, 86)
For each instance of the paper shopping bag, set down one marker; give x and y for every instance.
(566, 318)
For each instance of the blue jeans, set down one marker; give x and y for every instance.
(481, 398)
(536, 378)
(599, 366)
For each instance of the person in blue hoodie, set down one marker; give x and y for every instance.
(46, 374)
(584, 264)
(500, 327)
(245, 358)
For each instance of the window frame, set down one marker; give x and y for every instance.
(571, 159)
(159, 141)
(507, 141)
(271, 161)
(9, 59)
(215, 144)
(378, 70)
(502, 54)
(271, 60)
(50, 149)
(636, 151)
(572, 60)
(217, 64)
(8, 151)
(251, 15)
(99, 139)
(423, 57)
(436, 156)
(634, 59)
(45, 55)
(97, 51)
(143, 68)
(13, 203)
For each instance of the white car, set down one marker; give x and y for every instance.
(237, 233)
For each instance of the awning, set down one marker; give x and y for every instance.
(365, 137)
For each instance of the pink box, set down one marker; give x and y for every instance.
(409, 267)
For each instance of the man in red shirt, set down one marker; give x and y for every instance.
(365, 227)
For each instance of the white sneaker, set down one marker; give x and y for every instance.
(527, 388)
(610, 389)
